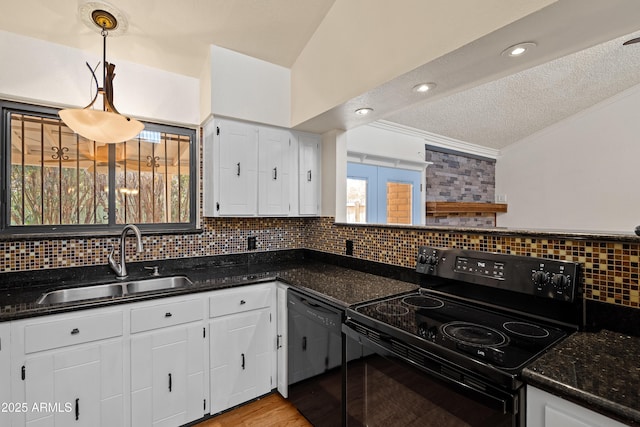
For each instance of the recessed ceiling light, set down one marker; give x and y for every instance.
(424, 87)
(518, 49)
(364, 111)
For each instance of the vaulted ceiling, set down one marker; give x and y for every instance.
(481, 97)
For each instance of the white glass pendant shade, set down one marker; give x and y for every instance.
(108, 125)
(101, 126)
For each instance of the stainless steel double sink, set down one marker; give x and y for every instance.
(113, 290)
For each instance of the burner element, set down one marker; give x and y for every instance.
(423, 302)
(474, 335)
(526, 329)
(392, 309)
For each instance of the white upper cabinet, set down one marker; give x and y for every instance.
(309, 173)
(255, 170)
(238, 168)
(274, 154)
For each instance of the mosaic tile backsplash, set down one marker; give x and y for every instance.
(610, 268)
(220, 236)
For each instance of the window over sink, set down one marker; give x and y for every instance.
(57, 181)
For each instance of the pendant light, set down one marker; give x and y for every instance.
(106, 125)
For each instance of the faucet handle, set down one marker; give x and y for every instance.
(155, 270)
(112, 262)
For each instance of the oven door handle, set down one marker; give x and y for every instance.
(506, 404)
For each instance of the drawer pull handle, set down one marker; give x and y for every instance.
(278, 338)
(77, 409)
(242, 302)
(242, 361)
(75, 331)
(170, 383)
(168, 314)
(304, 343)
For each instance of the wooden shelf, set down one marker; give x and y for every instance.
(465, 207)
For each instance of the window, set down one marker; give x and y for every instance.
(377, 194)
(56, 180)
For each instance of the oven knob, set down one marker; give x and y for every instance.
(432, 260)
(560, 281)
(422, 259)
(540, 277)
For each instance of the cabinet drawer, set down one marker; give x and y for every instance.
(238, 301)
(163, 315)
(76, 330)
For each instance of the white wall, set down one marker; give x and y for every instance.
(580, 174)
(41, 72)
(385, 143)
(334, 175)
(247, 88)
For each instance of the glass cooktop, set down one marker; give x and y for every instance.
(492, 337)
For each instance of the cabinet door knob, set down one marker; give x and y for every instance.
(168, 314)
(242, 302)
(75, 331)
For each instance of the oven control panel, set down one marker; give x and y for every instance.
(558, 280)
(481, 267)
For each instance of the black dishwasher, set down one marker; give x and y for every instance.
(315, 358)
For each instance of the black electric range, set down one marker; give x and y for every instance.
(479, 317)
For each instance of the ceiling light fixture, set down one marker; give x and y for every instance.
(364, 111)
(106, 125)
(518, 49)
(423, 87)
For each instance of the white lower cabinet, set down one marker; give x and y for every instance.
(241, 345)
(68, 370)
(282, 340)
(165, 362)
(168, 384)
(5, 373)
(546, 410)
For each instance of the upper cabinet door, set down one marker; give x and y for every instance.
(258, 170)
(309, 174)
(238, 169)
(274, 149)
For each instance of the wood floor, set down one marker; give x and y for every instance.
(270, 411)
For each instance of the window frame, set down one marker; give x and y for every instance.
(7, 230)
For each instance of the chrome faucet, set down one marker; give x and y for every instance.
(121, 270)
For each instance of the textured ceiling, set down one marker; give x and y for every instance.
(174, 35)
(506, 110)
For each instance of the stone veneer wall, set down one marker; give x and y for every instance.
(458, 178)
(219, 236)
(610, 268)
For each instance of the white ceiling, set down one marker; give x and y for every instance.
(481, 97)
(174, 34)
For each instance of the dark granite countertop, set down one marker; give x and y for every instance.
(598, 370)
(340, 285)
